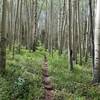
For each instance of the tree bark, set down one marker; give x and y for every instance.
(70, 38)
(97, 44)
(3, 39)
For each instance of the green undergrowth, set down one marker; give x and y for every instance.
(23, 78)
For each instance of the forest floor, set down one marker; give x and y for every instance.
(23, 78)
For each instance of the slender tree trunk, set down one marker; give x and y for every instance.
(35, 33)
(97, 44)
(3, 39)
(70, 38)
(79, 32)
(91, 30)
(15, 29)
(46, 27)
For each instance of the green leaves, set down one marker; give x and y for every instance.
(20, 81)
(23, 79)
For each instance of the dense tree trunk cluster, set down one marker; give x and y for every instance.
(63, 25)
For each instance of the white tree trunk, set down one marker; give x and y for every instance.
(97, 44)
